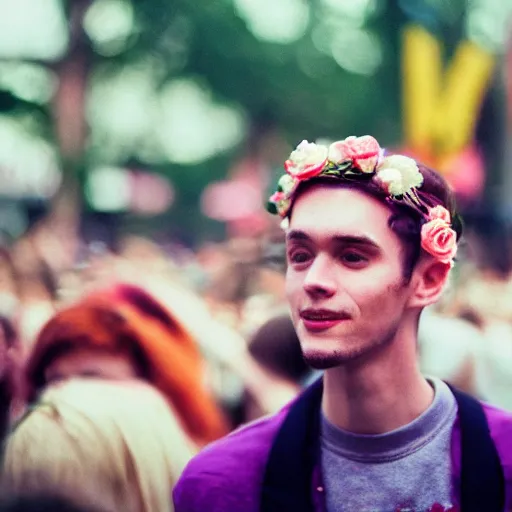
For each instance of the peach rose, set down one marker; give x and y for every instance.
(308, 160)
(363, 151)
(439, 240)
(439, 212)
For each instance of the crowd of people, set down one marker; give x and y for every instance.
(118, 367)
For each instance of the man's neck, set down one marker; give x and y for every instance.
(378, 395)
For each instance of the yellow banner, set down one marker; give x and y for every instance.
(441, 108)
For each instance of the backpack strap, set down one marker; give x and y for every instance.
(294, 453)
(482, 478)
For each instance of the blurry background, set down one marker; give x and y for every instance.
(140, 138)
(143, 116)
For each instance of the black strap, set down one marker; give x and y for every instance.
(482, 479)
(287, 481)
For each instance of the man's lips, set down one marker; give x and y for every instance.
(317, 320)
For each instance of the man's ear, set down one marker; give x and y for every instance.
(430, 278)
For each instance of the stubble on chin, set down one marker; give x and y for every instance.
(321, 360)
(325, 359)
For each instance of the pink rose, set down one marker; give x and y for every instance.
(439, 240)
(308, 160)
(363, 151)
(277, 197)
(439, 212)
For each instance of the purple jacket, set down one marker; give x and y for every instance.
(227, 475)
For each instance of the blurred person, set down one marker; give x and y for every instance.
(187, 311)
(231, 273)
(370, 241)
(275, 346)
(486, 293)
(137, 253)
(144, 253)
(70, 286)
(24, 255)
(257, 310)
(121, 333)
(9, 289)
(267, 298)
(242, 289)
(92, 441)
(38, 295)
(207, 330)
(493, 364)
(267, 381)
(11, 404)
(99, 266)
(10, 348)
(219, 333)
(228, 283)
(483, 300)
(55, 242)
(276, 349)
(448, 349)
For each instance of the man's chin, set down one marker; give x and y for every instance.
(323, 360)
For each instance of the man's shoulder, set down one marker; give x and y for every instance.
(252, 440)
(500, 425)
(496, 416)
(227, 474)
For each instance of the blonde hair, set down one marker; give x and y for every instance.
(117, 441)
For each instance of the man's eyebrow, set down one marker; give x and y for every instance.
(356, 240)
(337, 238)
(295, 234)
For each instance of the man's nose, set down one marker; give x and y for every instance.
(320, 279)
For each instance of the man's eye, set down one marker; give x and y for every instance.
(353, 258)
(299, 257)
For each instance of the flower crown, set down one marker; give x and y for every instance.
(360, 159)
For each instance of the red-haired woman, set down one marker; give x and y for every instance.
(124, 333)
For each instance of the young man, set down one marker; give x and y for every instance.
(370, 243)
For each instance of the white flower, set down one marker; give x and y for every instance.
(398, 174)
(307, 160)
(285, 224)
(287, 183)
(391, 181)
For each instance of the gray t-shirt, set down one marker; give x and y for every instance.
(408, 469)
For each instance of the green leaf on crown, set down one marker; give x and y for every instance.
(271, 207)
(344, 166)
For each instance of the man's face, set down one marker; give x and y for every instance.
(344, 280)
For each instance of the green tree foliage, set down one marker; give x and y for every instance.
(340, 75)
